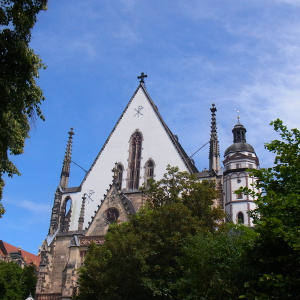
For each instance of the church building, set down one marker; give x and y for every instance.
(139, 147)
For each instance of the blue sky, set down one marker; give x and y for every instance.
(242, 55)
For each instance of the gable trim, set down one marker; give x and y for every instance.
(185, 158)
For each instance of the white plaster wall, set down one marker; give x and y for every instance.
(156, 145)
(244, 162)
(231, 184)
(242, 207)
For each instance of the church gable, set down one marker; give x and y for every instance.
(112, 209)
(141, 115)
(142, 145)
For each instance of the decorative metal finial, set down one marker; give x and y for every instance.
(142, 77)
(238, 115)
(71, 133)
(213, 109)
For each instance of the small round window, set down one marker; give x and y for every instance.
(112, 214)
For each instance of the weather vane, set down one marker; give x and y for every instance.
(238, 114)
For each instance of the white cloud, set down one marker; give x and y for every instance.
(34, 207)
(29, 206)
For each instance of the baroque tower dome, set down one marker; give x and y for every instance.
(239, 140)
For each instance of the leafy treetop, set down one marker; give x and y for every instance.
(276, 253)
(20, 97)
(185, 188)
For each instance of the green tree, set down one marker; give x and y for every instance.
(215, 264)
(140, 259)
(16, 283)
(275, 254)
(20, 97)
(185, 188)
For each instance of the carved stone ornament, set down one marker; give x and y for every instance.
(99, 240)
(54, 296)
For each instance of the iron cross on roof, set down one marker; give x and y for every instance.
(142, 77)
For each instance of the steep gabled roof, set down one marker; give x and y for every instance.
(187, 161)
(113, 199)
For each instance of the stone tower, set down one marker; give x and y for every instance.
(61, 213)
(214, 172)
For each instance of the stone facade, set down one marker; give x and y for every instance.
(139, 147)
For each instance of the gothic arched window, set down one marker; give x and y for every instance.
(135, 151)
(119, 175)
(66, 211)
(240, 218)
(149, 170)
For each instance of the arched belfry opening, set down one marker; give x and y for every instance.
(134, 165)
(66, 211)
(240, 218)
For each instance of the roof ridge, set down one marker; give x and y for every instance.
(192, 168)
(107, 140)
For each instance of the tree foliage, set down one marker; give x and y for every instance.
(215, 264)
(277, 220)
(16, 283)
(20, 97)
(159, 255)
(140, 259)
(185, 188)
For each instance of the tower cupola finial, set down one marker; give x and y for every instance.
(239, 133)
(214, 152)
(238, 115)
(65, 172)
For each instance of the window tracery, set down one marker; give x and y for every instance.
(149, 170)
(119, 175)
(66, 211)
(135, 152)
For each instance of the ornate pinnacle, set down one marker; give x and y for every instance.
(116, 176)
(115, 173)
(65, 173)
(214, 152)
(213, 109)
(81, 216)
(213, 132)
